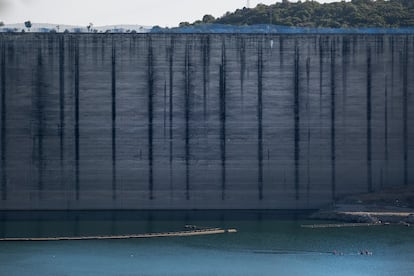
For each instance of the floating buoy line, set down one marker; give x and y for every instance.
(342, 225)
(186, 233)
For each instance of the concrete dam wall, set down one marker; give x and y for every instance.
(202, 121)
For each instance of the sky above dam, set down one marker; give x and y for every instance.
(110, 12)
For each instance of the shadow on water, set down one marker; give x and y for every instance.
(179, 215)
(78, 223)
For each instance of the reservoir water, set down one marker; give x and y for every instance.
(267, 243)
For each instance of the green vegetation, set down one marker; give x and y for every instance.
(28, 25)
(356, 13)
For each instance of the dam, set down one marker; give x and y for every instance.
(202, 121)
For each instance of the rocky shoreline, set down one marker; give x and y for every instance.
(386, 207)
(396, 216)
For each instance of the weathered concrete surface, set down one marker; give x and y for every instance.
(202, 121)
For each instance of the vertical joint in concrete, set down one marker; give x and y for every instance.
(76, 132)
(259, 120)
(333, 120)
(40, 120)
(150, 118)
(187, 120)
(113, 114)
(296, 120)
(206, 72)
(61, 97)
(386, 150)
(3, 124)
(405, 109)
(369, 119)
(223, 120)
(242, 53)
(171, 86)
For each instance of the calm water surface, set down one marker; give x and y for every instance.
(267, 244)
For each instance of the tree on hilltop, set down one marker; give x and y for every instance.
(28, 25)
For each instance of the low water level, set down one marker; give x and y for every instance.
(267, 243)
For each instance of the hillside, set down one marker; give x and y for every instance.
(353, 14)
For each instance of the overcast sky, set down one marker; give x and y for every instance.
(110, 12)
